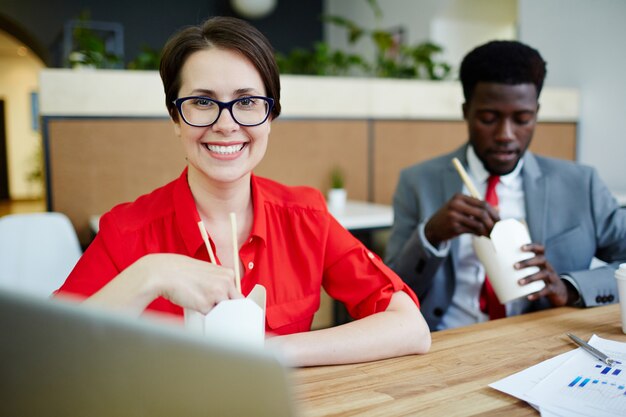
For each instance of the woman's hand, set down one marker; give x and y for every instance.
(185, 281)
(191, 283)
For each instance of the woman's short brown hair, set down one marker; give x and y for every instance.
(220, 32)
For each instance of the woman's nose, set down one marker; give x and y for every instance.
(225, 121)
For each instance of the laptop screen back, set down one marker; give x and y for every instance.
(64, 359)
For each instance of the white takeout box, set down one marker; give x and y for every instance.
(240, 321)
(500, 252)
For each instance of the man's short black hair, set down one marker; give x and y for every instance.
(504, 62)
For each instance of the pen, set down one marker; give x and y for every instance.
(595, 352)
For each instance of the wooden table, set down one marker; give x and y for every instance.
(452, 379)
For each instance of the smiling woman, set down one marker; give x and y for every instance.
(149, 254)
(222, 149)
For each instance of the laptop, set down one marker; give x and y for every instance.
(63, 359)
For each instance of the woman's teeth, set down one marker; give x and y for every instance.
(225, 150)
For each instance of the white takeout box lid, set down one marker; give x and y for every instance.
(240, 320)
(500, 252)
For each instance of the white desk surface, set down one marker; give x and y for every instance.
(364, 215)
(620, 197)
(94, 223)
(354, 216)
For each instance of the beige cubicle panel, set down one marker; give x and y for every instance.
(98, 163)
(557, 140)
(399, 144)
(304, 152)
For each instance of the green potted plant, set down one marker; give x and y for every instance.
(147, 59)
(392, 58)
(92, 43)
(337, 194)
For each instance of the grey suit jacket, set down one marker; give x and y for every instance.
(568, 209)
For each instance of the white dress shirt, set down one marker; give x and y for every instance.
(470, 273)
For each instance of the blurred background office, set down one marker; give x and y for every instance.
(580, 39)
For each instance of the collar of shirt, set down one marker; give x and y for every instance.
(480, 174)
(187, 216)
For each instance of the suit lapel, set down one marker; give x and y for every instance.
(535, 198)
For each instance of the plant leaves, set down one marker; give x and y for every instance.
(391, 59)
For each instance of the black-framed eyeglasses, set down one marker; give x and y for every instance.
(200, 111)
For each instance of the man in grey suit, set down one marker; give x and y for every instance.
(571, 215)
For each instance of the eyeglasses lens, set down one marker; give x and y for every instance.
(247, 111)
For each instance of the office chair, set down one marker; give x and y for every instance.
(37, 252)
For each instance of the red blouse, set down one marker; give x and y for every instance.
(295, 247)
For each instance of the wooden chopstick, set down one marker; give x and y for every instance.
(233, 224)
(466, 179)
(205, 237)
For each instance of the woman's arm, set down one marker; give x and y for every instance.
(185, 281)
(397, 331)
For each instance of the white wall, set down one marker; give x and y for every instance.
(464, 24)
(458, 25)
(18, 79)
(583, 43)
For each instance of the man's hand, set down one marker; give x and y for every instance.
(461, 214)
(555, 289)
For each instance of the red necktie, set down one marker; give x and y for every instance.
(489, 303)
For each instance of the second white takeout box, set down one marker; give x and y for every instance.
(500, 252)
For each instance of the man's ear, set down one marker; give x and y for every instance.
(464, 108)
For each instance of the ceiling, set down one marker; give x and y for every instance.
(12, 48)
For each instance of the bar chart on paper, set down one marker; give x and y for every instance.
(603, 384)
(584, 386)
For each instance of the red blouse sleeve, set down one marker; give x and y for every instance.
(356, 276)
(97, 266)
